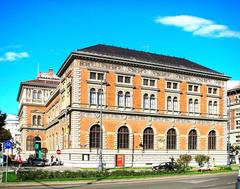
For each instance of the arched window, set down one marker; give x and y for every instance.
(152, 102)
(123, 138)
(95, 136)
(34, 94)
(30, 143)
(210, 108)
(215, 108)
(190, 105)
(120, 99)
(39, 95)
(145, 101)
(212, 140)
(196, 106)
(171, 139)
(100, 97)
(127, 100)
(39, 120)
(175, 104)
(192, 140)
(169, 103)
(92, 96)
(148, 138)
(34, 120)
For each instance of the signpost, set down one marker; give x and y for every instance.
(58, 152)
(7, 145)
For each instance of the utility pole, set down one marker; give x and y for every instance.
(100, 96)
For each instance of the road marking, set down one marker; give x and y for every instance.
(197, 181)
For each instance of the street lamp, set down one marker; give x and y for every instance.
(100, 97)
(228, 135)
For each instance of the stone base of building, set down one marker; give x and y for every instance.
(128, 158)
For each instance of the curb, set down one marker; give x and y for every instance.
(56, 183)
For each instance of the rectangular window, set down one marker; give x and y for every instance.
(120, 79)
(214, 90)
(195, 88)
(175, 85)
(169, 85)
(124, 79)
(190, 88)
(127, 79)
(96, 76)
(145, 82)
(152, 83)
(93, 75)
(209, 90)
(100, 76)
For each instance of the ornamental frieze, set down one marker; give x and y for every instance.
(154, 73)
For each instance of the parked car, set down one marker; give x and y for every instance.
(168, 166)
(36, 162)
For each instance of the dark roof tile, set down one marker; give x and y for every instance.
(146, 56)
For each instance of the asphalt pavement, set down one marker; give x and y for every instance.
(216, 181)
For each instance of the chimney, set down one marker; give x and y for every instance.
(50, 72)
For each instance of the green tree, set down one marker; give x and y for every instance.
(201, 159)
(4, 134)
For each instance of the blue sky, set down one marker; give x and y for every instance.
(45, 32)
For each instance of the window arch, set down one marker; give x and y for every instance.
(39, 120)
(148, 138)
(145, 101)
(95, 136)
(152, 102)
(30, 143)
(196, 106)
(210, 108)
(100, 97)
(120, 99)
(34, 120)
(190, 105)
(215, 108)
(169, 103)
(171, 139)
(175, 104)
(92, 96)
(123, 138)
(34, 94)
(39, 94)
(212, 140)
(192, 140)
(127, 100)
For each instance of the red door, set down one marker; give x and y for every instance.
(119, 160)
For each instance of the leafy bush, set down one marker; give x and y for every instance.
(184, 160)
(201, 159)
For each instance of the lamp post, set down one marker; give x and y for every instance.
(100, 97)
(228, 135)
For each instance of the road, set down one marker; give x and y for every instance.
(223, 181)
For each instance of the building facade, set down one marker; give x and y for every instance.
(146, 108)
(234, 114)
(12, 125)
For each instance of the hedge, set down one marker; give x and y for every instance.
(40, 174)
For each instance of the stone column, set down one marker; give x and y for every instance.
(75, 116)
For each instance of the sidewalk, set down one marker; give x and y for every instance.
(58, 183)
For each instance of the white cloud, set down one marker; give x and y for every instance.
(198, 26)
(13, 56)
